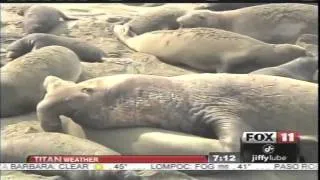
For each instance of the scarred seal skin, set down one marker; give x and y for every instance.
(22, 78)
(42, 19)
(272, 23)
(225, 104)
(209, 49)
(84, 50)
(302, 68)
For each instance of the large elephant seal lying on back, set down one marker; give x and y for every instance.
(226, 104)
(16, 149)
(272, 23)
(210, 50)
(42, 19)
(302, 68)
(22, 78)
(157, 19)
(85, 51)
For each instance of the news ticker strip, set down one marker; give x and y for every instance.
(159, 166)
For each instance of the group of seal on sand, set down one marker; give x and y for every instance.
(189, 114)
(265, 22)
(39, 20)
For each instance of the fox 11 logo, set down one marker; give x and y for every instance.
(270, 147)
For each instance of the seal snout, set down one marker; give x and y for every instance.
(289, 51)
(12, 54)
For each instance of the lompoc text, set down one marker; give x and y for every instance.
(182, 166)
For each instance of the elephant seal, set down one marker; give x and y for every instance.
(224, 104)
(22, 78)
(210, 50)
(86, 52)
(302, 68)
(271, 23)
(158, 19)
(16, 149)
(42, 19)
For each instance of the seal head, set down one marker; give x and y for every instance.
(199, 18)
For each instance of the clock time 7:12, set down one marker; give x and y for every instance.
(223, 158)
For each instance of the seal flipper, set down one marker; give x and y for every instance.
(226, 125)
(229, 129)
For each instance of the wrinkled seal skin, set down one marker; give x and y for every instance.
(302, 68)
(226, 104)
(22, 78)
(159, 19)
(85, 51)
(17, 148)
(42, 19)
(272, 23)
(210, 50)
